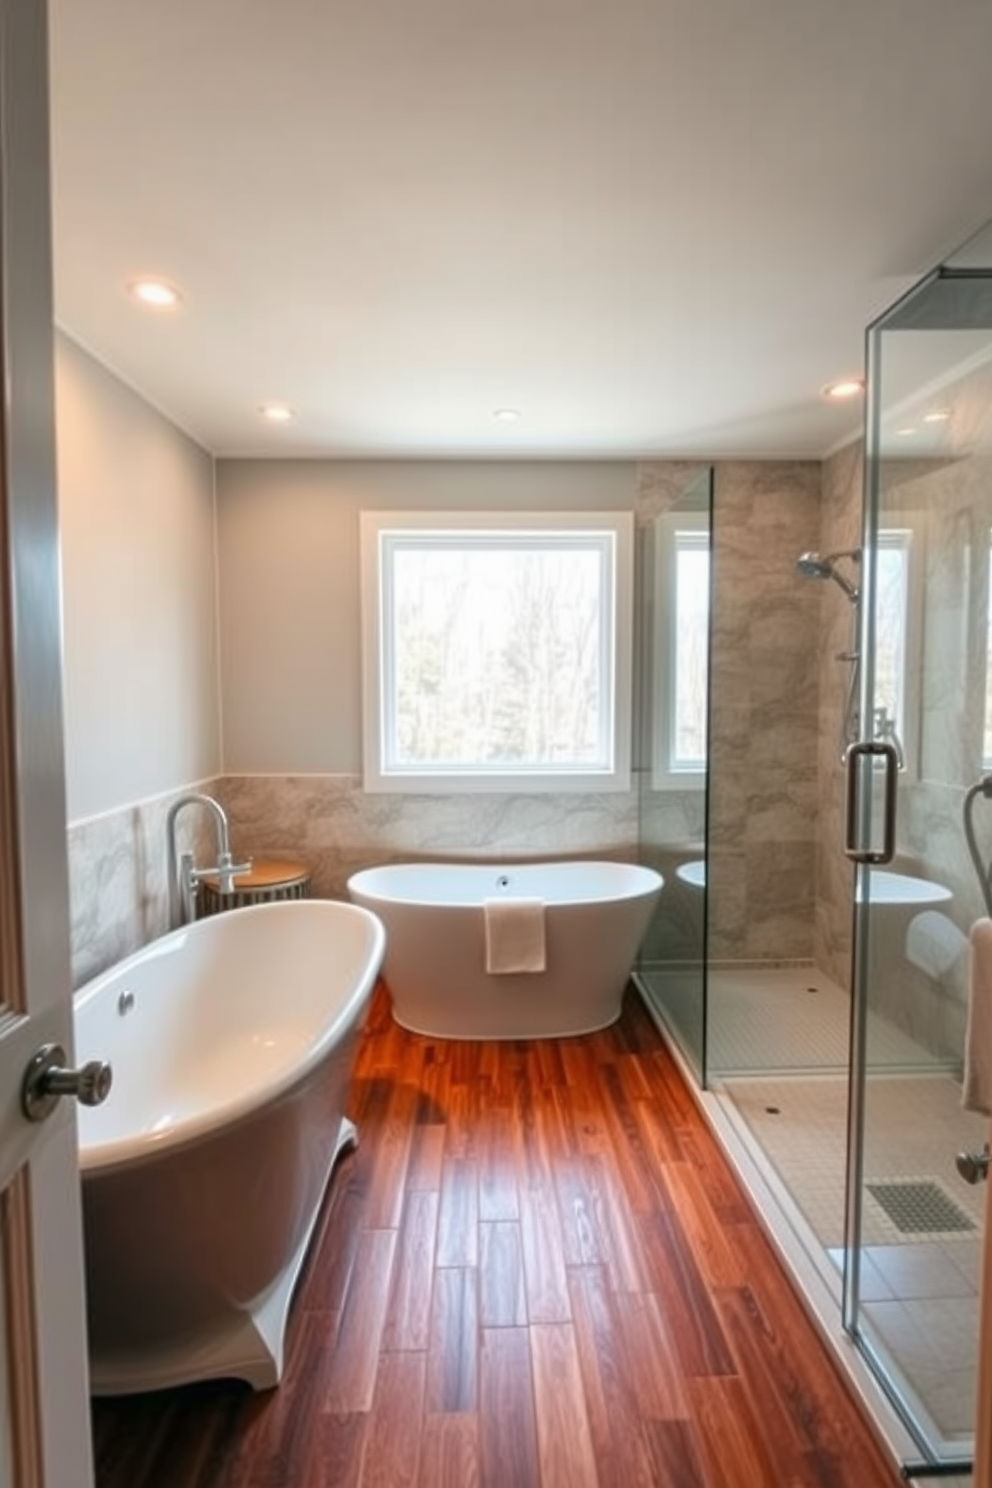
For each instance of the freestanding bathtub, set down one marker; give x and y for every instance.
(232, 1044)
(595, 915)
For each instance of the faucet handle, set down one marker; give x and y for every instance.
(228, 871)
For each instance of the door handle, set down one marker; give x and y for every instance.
(871, 748)
(46, 1080)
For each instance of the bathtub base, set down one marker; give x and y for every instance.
(501, 1023)
(249, 1346)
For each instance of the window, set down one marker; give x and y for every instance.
(898, 637)
(496, 650)
(682, 605)
(891, 621)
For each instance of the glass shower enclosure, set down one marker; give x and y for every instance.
(915, 1214)
(838, 1070)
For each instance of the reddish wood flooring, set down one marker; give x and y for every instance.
(537, 1271)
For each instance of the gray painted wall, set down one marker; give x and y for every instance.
(136, 518)
(289, 586)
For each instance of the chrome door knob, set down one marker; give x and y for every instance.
(46, 1079)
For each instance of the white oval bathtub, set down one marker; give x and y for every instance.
(232, 1044)
(439, 924)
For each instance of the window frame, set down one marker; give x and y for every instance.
(665, 773)
(901, 531)
(383, 532)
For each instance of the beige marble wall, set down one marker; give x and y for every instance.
(331, 824)
(763, 817)
(118, 880)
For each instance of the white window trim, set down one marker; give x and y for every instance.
(375, 526)
(663, 776)
(903, 530)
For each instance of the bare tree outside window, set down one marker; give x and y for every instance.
(892, 594)
(497, 650)
(500, 652)
(692, 603)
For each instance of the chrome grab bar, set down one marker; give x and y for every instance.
(871, 749)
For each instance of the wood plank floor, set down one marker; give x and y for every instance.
(537, 1271)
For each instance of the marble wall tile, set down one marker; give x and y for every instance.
(661, 484)
(332, 825)
(764, 699)
(118, 880)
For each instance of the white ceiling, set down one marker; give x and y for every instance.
(656, 227)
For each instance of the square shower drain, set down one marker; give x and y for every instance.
(919, 1206)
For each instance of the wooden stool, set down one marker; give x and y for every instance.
(269, 879)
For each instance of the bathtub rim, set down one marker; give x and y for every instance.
(100, 1158)
(359, 882)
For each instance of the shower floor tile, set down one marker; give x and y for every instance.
(791, 1018)
(919, 1294)
(915, 1129)
(779, 1018)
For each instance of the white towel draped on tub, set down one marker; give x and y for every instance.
(977, 1093)
(514, 935)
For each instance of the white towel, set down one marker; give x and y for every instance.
(514, 935)
(977, 1093)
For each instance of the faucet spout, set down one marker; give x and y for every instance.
(183, 877)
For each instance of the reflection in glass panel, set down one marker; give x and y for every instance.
(673, 636)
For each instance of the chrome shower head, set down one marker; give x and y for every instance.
(813, 566)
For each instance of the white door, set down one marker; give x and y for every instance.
(44, 1417)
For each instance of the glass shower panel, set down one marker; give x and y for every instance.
(673, 636)
(914, 1225)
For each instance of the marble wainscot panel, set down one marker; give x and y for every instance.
(335, 827)
(764, 714)
(118, 881)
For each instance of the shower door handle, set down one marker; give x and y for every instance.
(856, 754)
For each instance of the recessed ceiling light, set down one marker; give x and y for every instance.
(507, 415)
(904, 433)
(937, 416)
(276, 413)
(847, 387)
(156, 294)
